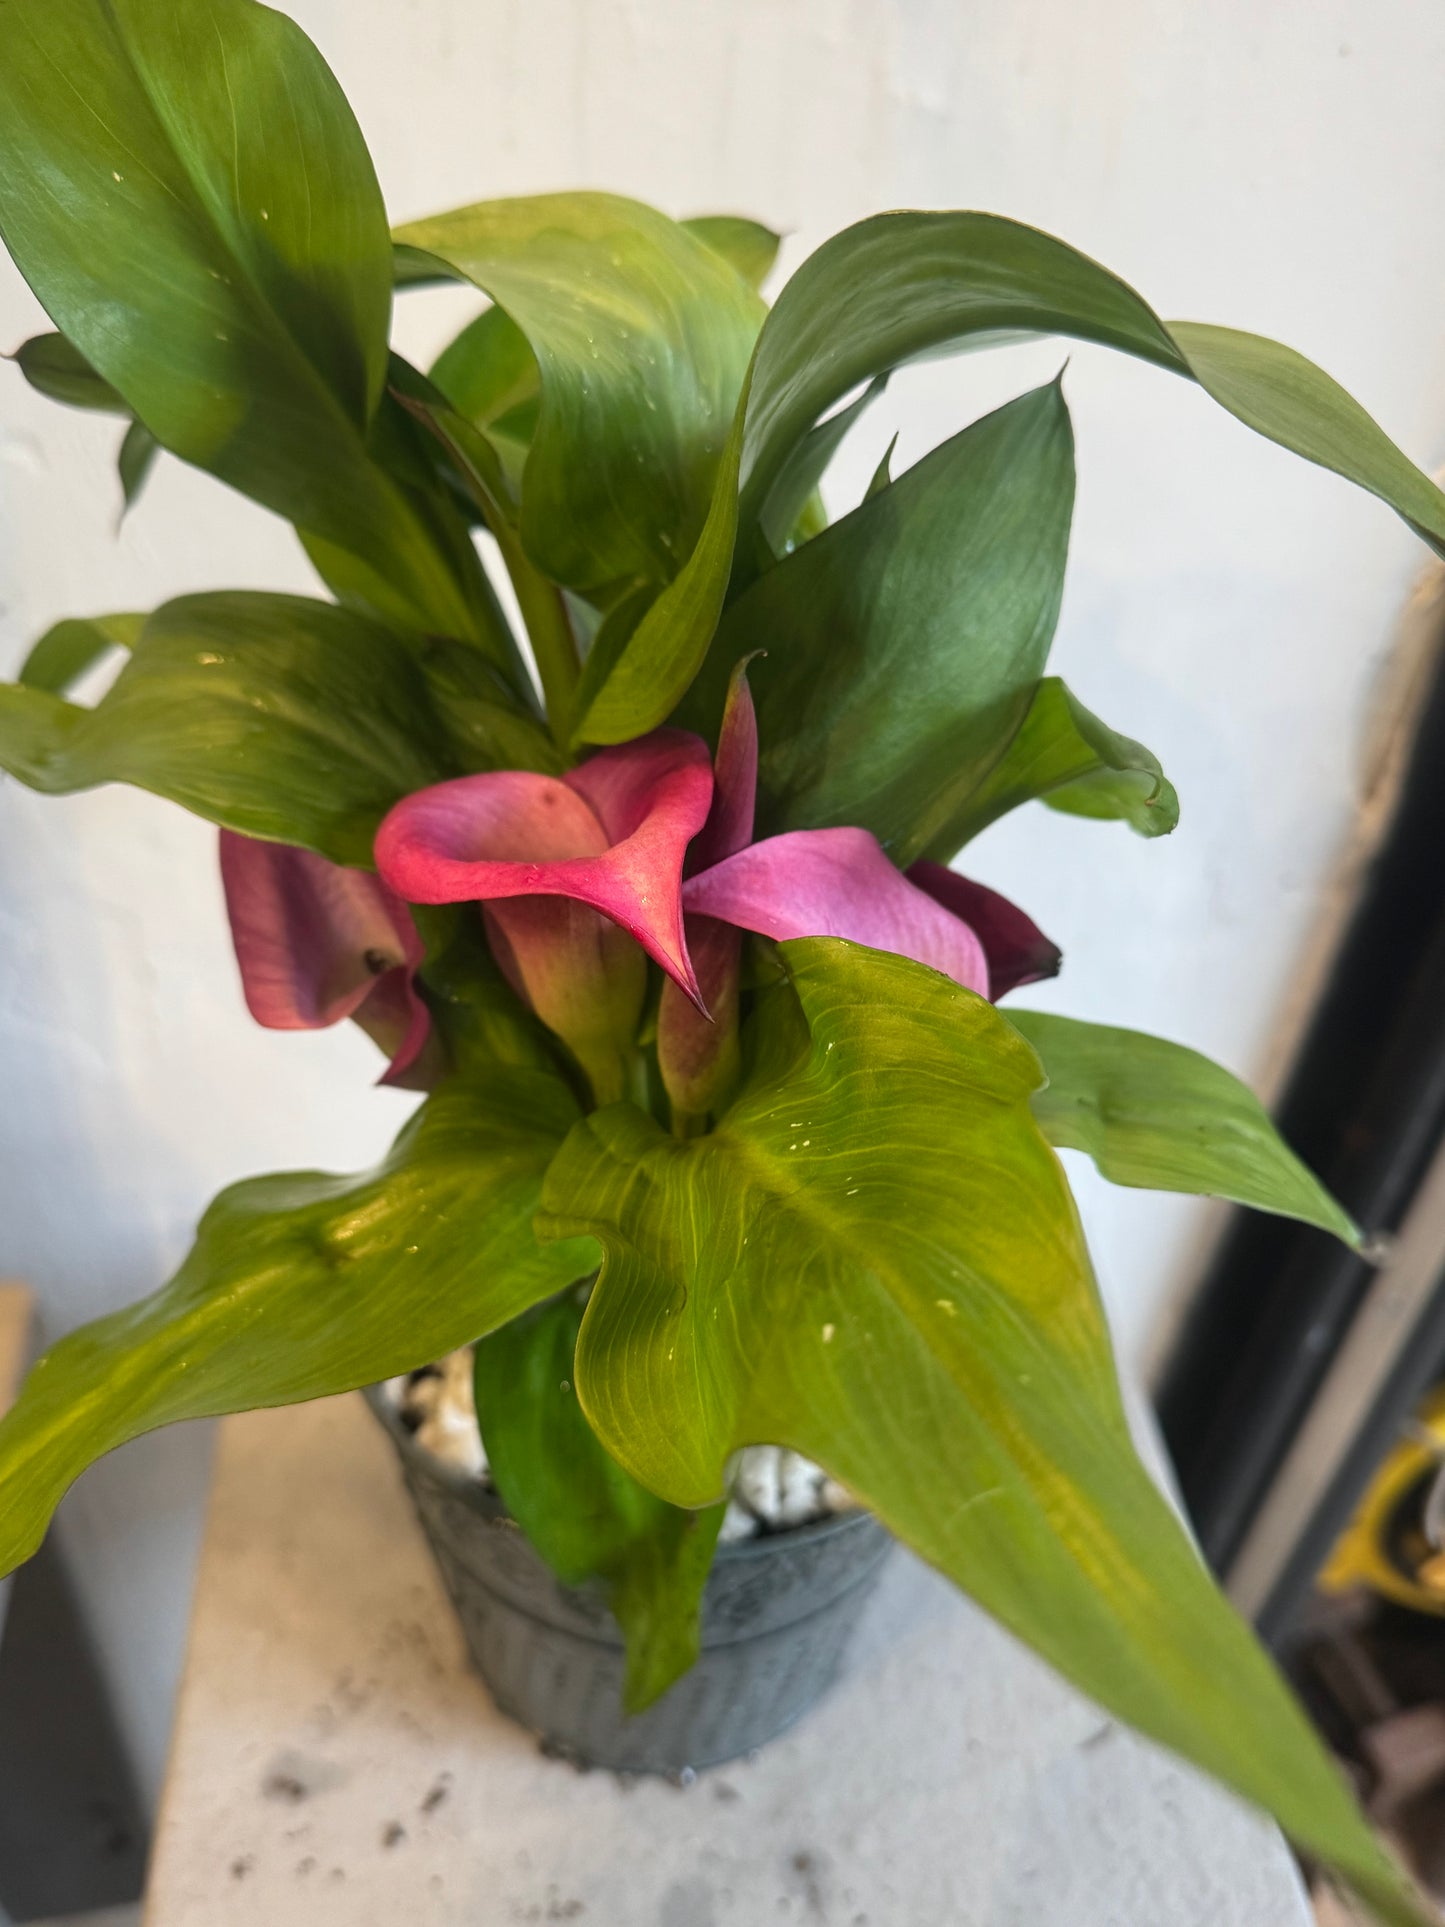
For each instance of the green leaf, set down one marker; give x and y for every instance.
(68, 649)
(269, 714)
(903, 644)
(212, 144)
(806, 467)
(584, 1514)
(902, 285)
(642, 336)
(898, 286)
(1064, 756)
(875, 1260)
(747, 246)
(1163, 1118)
(882, 476)
(138, 451)
(302, 1285)
(56, 368)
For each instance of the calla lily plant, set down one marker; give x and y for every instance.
(646, 887)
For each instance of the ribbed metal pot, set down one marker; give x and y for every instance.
(776, 1614)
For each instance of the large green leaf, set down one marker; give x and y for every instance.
(642, 335)
(1064, 756)
(302, 1285)
(1161, 1117)
(270, 714)
(489, 373)
(186, 190)
(903, 645)
(903, 285)
(586, 1516)
(875, 1260)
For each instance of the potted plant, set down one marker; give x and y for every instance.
(652, 902)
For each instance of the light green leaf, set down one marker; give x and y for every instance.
(898, 286)
(1064, 756)
(302, 1285)
(642, 336)
(1161, 1117)
(68, 649)
(903, 644)
(747, 246)
(273, 715)
(222, 261)
(875, 1260)
(586, 1516)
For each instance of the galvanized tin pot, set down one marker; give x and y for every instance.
(776, 1615)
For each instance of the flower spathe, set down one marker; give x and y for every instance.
(647, 847)
(316, 943)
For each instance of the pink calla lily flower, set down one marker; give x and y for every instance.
(648, 848)
(571, 871)
(316, 943)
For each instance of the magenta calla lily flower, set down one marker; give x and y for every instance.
(571, 871)
(647, 848)
(316, 943)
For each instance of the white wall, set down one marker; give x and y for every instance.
(1280, 168)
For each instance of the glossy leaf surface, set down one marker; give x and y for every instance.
(875, 1260)
(642, 336)
(302, 1285)
(273, 715)
(1164, 1118)
(1064, 756)
(587, 1517)
(188, 193)
(903, 644)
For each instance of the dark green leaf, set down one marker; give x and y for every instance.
(1064, 756)
(138, 451)
(55, 367)
(902, 285)
(747, 246)
(642, 336)
(903, 644)
(882, 476)
(221, 258)
(584, 1514)
(1153, 1114)
(66, 651)
(875, 1260)
(272, 715)
(302, 1285)
(806, 466)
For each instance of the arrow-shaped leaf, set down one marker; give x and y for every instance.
(875, 1260)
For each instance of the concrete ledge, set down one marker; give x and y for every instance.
(336, 1764)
